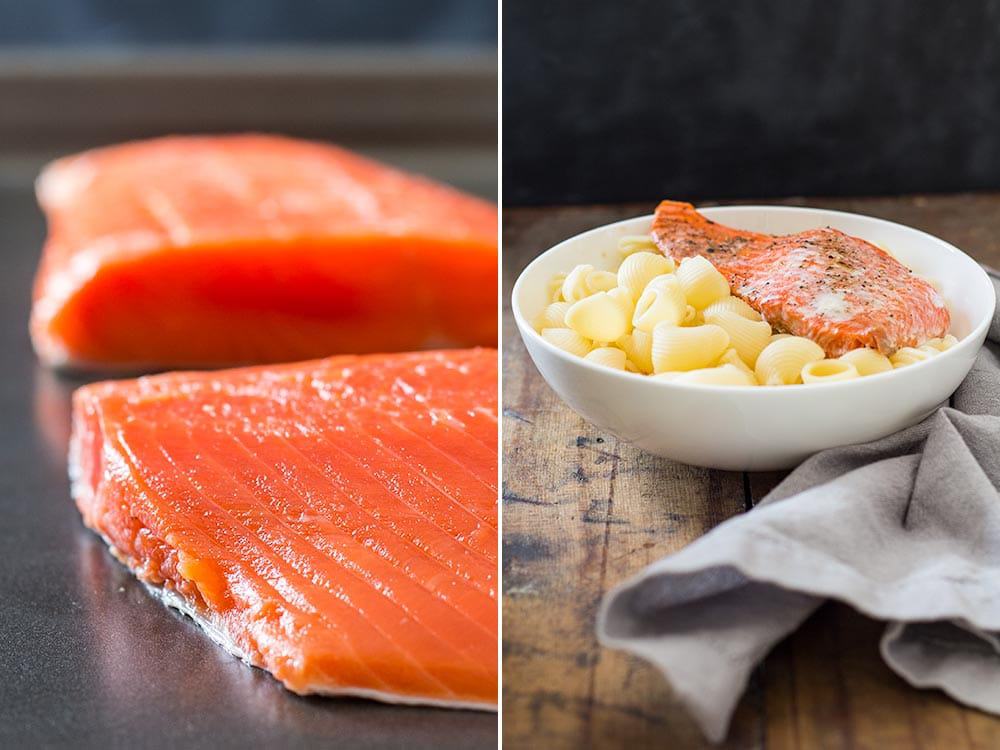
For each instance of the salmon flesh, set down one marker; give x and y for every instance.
(224, 250)
(840, 291)
(333, 522)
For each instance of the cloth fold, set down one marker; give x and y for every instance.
(905, 529)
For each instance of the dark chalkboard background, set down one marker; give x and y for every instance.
(615, 101)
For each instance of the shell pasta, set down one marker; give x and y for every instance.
(867, 361)
(733, 305)
(662, 301)
(680, 323)
(781, 361)
(702, 284)
(599, 317)
(909, 355)
(725, 374)
(584, 280)
(829, 371)
(638, 347)
(636, 243)
(748, 337)
(553, 316)
(637, 270)
(679, 349)
(568, 340)
(609, 356)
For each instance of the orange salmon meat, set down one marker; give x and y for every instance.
(207, 251)
(333, 522)
(840, 291)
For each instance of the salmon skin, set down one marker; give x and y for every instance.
(840, 291)
(333, 521)
(225, 250)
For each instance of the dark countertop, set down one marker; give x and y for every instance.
(583, 511)
(87, 657)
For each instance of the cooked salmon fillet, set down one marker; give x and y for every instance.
(216, 250)
(839, 291)
(334, 521)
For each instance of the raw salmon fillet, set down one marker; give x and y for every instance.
(839, 291)
(333, 521)
(208, 251)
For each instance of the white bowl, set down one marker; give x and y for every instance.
(755, 428)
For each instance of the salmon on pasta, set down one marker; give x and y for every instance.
(840, 291)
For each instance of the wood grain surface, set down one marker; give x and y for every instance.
(582, 511)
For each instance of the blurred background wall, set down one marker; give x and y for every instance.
(644, 99)
(75, 22)
(414, 83)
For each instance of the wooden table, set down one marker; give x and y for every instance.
(582, 511)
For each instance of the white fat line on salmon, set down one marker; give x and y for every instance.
(220, 637)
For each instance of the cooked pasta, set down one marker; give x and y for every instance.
(555, 286)
(942, 344)
(701, 282)
(575, 285)
(601, 281)
(638, 347)
(584, 280)
(909, 355)
(608, 356)
(676, 348)
(553, 316)
(692, 317)
(726, 374)
(624, 300)
(867, 361)
(568, 340)
(598, 317)
(733, 304)
(747, 337)
(636, 243)
(782, 361)
(731, 357)
(682, 324)
(639, 269)
(662, 301)
(829, 371)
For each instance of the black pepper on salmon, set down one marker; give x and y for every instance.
(840, 291)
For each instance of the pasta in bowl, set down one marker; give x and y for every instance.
(663, 353)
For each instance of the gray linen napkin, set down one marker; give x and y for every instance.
(905, 529)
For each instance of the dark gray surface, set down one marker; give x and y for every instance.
(87, 657)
